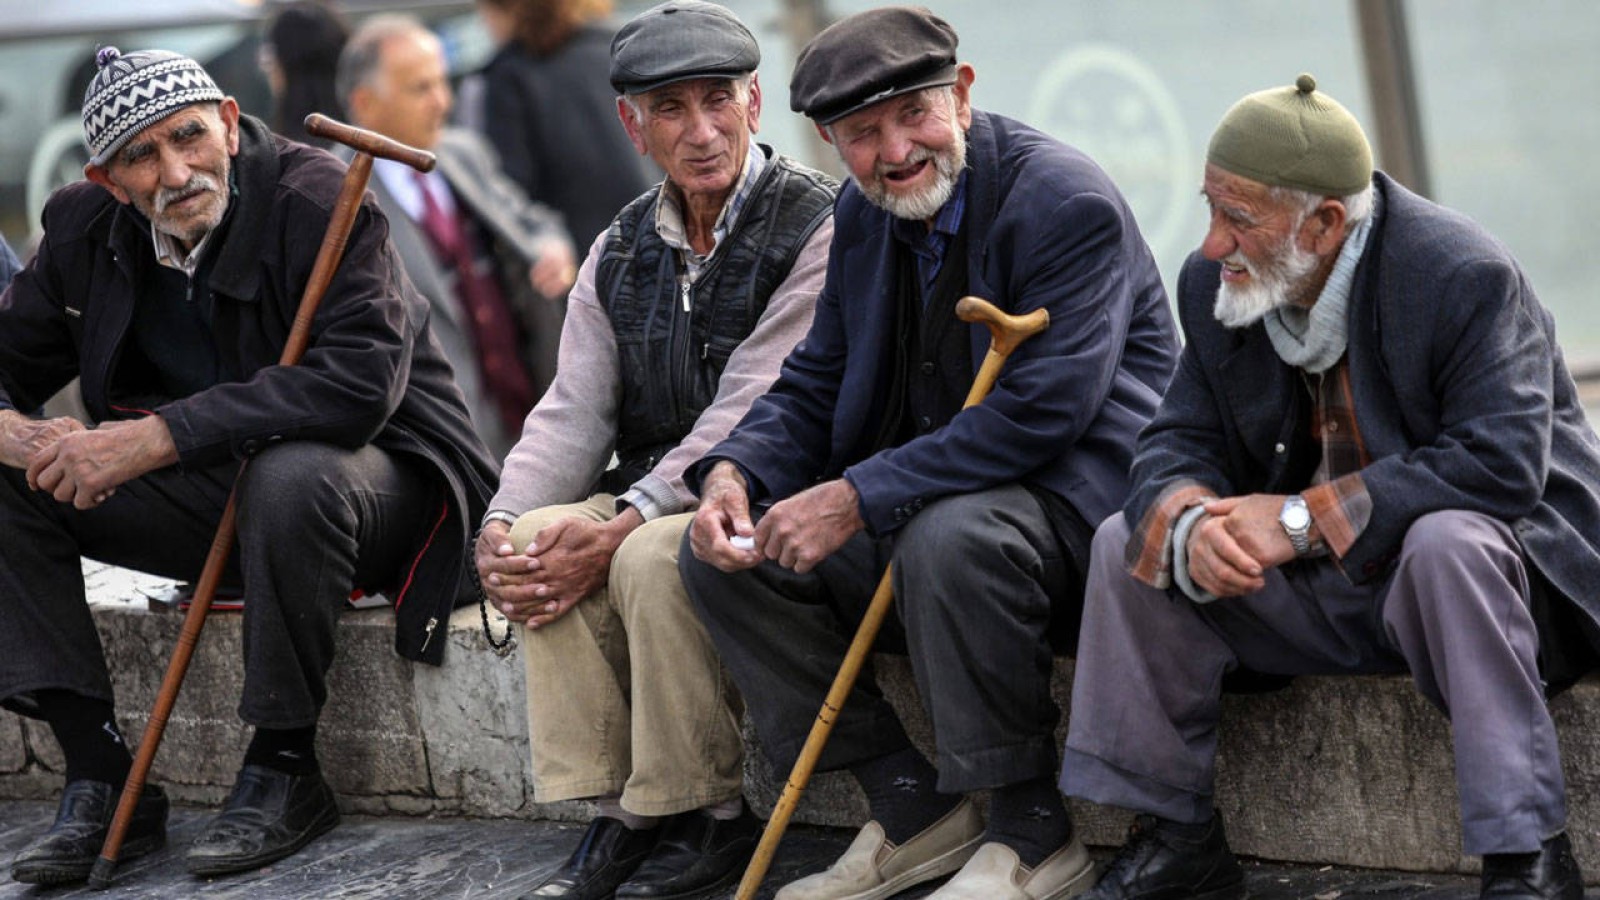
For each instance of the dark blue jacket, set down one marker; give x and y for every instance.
(1046, 229)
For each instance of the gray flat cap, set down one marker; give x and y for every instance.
(869, 57)
(679, 40)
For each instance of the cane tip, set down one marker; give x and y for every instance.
(100, 877)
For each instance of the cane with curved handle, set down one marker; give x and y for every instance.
(1006, 333)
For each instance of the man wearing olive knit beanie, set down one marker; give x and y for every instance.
(1370, 460)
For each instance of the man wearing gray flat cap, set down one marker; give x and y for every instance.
(1372, 459)
(861, 454)
(680, 318)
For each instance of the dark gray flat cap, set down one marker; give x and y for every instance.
(872, 56)
(679, 40)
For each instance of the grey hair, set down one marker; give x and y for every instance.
(741, 90)
(1357, 206)
(359, 59)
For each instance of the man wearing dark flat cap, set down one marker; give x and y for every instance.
(1372, 459)
(681, 315)
(860, 454)
(167, 282)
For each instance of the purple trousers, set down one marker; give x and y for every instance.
(1454, 612)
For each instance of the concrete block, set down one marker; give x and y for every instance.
(474, 722)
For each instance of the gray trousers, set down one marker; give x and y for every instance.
(1454, 612)
(975, 575)
(314, 520)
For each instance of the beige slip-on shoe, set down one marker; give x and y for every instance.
(872, 867)
(995, 873)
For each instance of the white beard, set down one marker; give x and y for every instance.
(925, 203)
(1274, 283)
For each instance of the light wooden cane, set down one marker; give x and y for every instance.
(367, 145)
(1006, 333)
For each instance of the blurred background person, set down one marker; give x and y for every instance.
(492, 264)
(299, 53)
(545, 102)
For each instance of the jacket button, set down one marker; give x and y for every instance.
(1278, 449)
(250, 447)
(924, 423)
(928, 368)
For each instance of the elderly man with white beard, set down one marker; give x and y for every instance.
(861, 454)
(1370, 460)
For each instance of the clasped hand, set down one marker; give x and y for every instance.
(1233, 546)
(566, 561)
(84, 466)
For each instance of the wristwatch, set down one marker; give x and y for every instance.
(1296, 521)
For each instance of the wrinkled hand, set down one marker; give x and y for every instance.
(22, 438)
(805, 529)
(503, 572)
(723, 513)
(555, 270)
(85, 467)
(569, 559)
(1240, 539)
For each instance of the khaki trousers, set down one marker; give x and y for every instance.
(625, 692)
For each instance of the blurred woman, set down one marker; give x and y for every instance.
(550, 111)
(299, 54)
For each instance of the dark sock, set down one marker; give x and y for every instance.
(1030, 818)
(289, 750)
(900, 790)
(87, 731)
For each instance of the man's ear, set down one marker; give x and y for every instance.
(228, 109)
(630, 124)
(100, 176)
(1325, 227)
(822, 130)
(965, 76)
(753, 114)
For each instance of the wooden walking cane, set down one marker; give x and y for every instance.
(367, 145)
(1006, 333)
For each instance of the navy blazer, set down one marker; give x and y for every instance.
(1046, 229)
(1461, 394)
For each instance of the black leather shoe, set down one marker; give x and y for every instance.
(1551, 872)
(67, 852)
(1164, 859)
(609, 852)
(697, 855)
(269, 815)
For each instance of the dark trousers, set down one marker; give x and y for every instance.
(314, 520)
(975, 579)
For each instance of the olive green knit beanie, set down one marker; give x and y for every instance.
(1294, 137)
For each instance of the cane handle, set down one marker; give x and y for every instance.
(1007, 331)
(369, 142)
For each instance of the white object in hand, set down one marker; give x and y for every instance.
(743, 542)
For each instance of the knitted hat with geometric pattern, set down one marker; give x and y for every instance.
(133, 91)
(1294, 137)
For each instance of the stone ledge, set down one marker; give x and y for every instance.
(1352, 771)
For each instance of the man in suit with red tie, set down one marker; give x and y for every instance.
(492, 263)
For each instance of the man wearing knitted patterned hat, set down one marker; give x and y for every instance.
(168, 281)
(1371, 459)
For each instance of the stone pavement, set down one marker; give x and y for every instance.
(399, 858)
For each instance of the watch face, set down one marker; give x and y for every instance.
(1295, 516)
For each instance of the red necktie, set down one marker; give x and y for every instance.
(494, 329)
